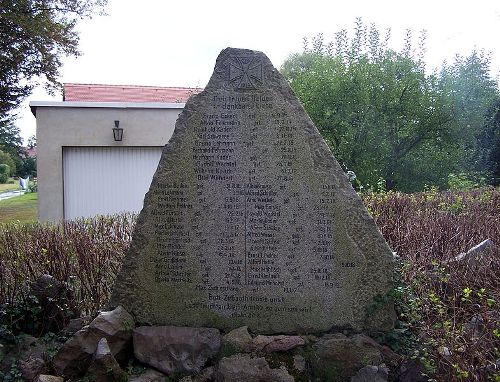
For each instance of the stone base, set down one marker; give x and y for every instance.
(191, 354)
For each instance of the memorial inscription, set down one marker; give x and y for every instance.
(250, 220)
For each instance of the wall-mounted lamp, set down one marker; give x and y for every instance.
(117, 131)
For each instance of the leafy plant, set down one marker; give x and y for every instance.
(450, 306)
(85, 255)
(4, 172)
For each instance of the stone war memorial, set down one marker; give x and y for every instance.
(250, 220)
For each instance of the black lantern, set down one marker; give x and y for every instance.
(117, 131)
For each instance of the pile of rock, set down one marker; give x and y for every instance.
(102, 350)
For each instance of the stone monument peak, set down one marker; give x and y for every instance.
(250, 220)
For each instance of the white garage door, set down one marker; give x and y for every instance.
(107, 180)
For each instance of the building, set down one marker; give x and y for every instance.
(83, 169)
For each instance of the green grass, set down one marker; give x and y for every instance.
(9, 186)
(20, 208)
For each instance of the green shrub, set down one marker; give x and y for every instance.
(84, 254)
(4, 172)
(7, 159)
(32, 186)
(449, 307)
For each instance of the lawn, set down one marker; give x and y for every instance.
(9, 186)
(20, 208)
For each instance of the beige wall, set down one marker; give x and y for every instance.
(60, 125)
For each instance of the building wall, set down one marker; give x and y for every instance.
(60, 125)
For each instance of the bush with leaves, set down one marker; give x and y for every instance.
(4, 172)
(85, 255)
(385, 116)
(451, 306)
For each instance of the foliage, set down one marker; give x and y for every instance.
(34, 36)
(385, 117)
(32, 186)
(10, 140)
(448, 311)
(7, 160)
(464, 181)
(474, 99)
(28, 168)
(451, 306)
(4, 172)
(11, 146)
(30, 316)
(491, 136)
(83, 254)
(14, 374)
(32, 141)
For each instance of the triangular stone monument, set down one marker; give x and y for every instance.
(251, 221)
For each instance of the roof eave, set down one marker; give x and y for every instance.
(114, 105)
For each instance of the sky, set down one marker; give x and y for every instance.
(176, 43)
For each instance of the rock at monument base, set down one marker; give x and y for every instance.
(337, 357)
(206, 375)
(75, 325)
(270, 344)
(238, 339)
(299, 363)
(250, 220)
(244, 368)
(48, 378)
(371, 374)
(149, 375)
(30, 353)
(74, 358)
(32, 367)
(104, 366)
(175, 349)
(52, 296)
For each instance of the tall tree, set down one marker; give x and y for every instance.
(11, 144)
(34, 36)
(473, 95)
(490, 142)
(379, 111)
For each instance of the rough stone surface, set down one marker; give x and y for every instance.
(175, 349)
(104, 366)
(74, 357)
(52, 295)
(340, 355)
(206, 375)
(299, 363)
(48, 378)
(371, 374)
(271, 344)
(47, 287)
(30, 354)
(149, 375)
(244, 368)
(75, 325)
(250, 220)
(32, 367)
(239, 339)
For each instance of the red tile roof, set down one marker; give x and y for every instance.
(126, 93)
